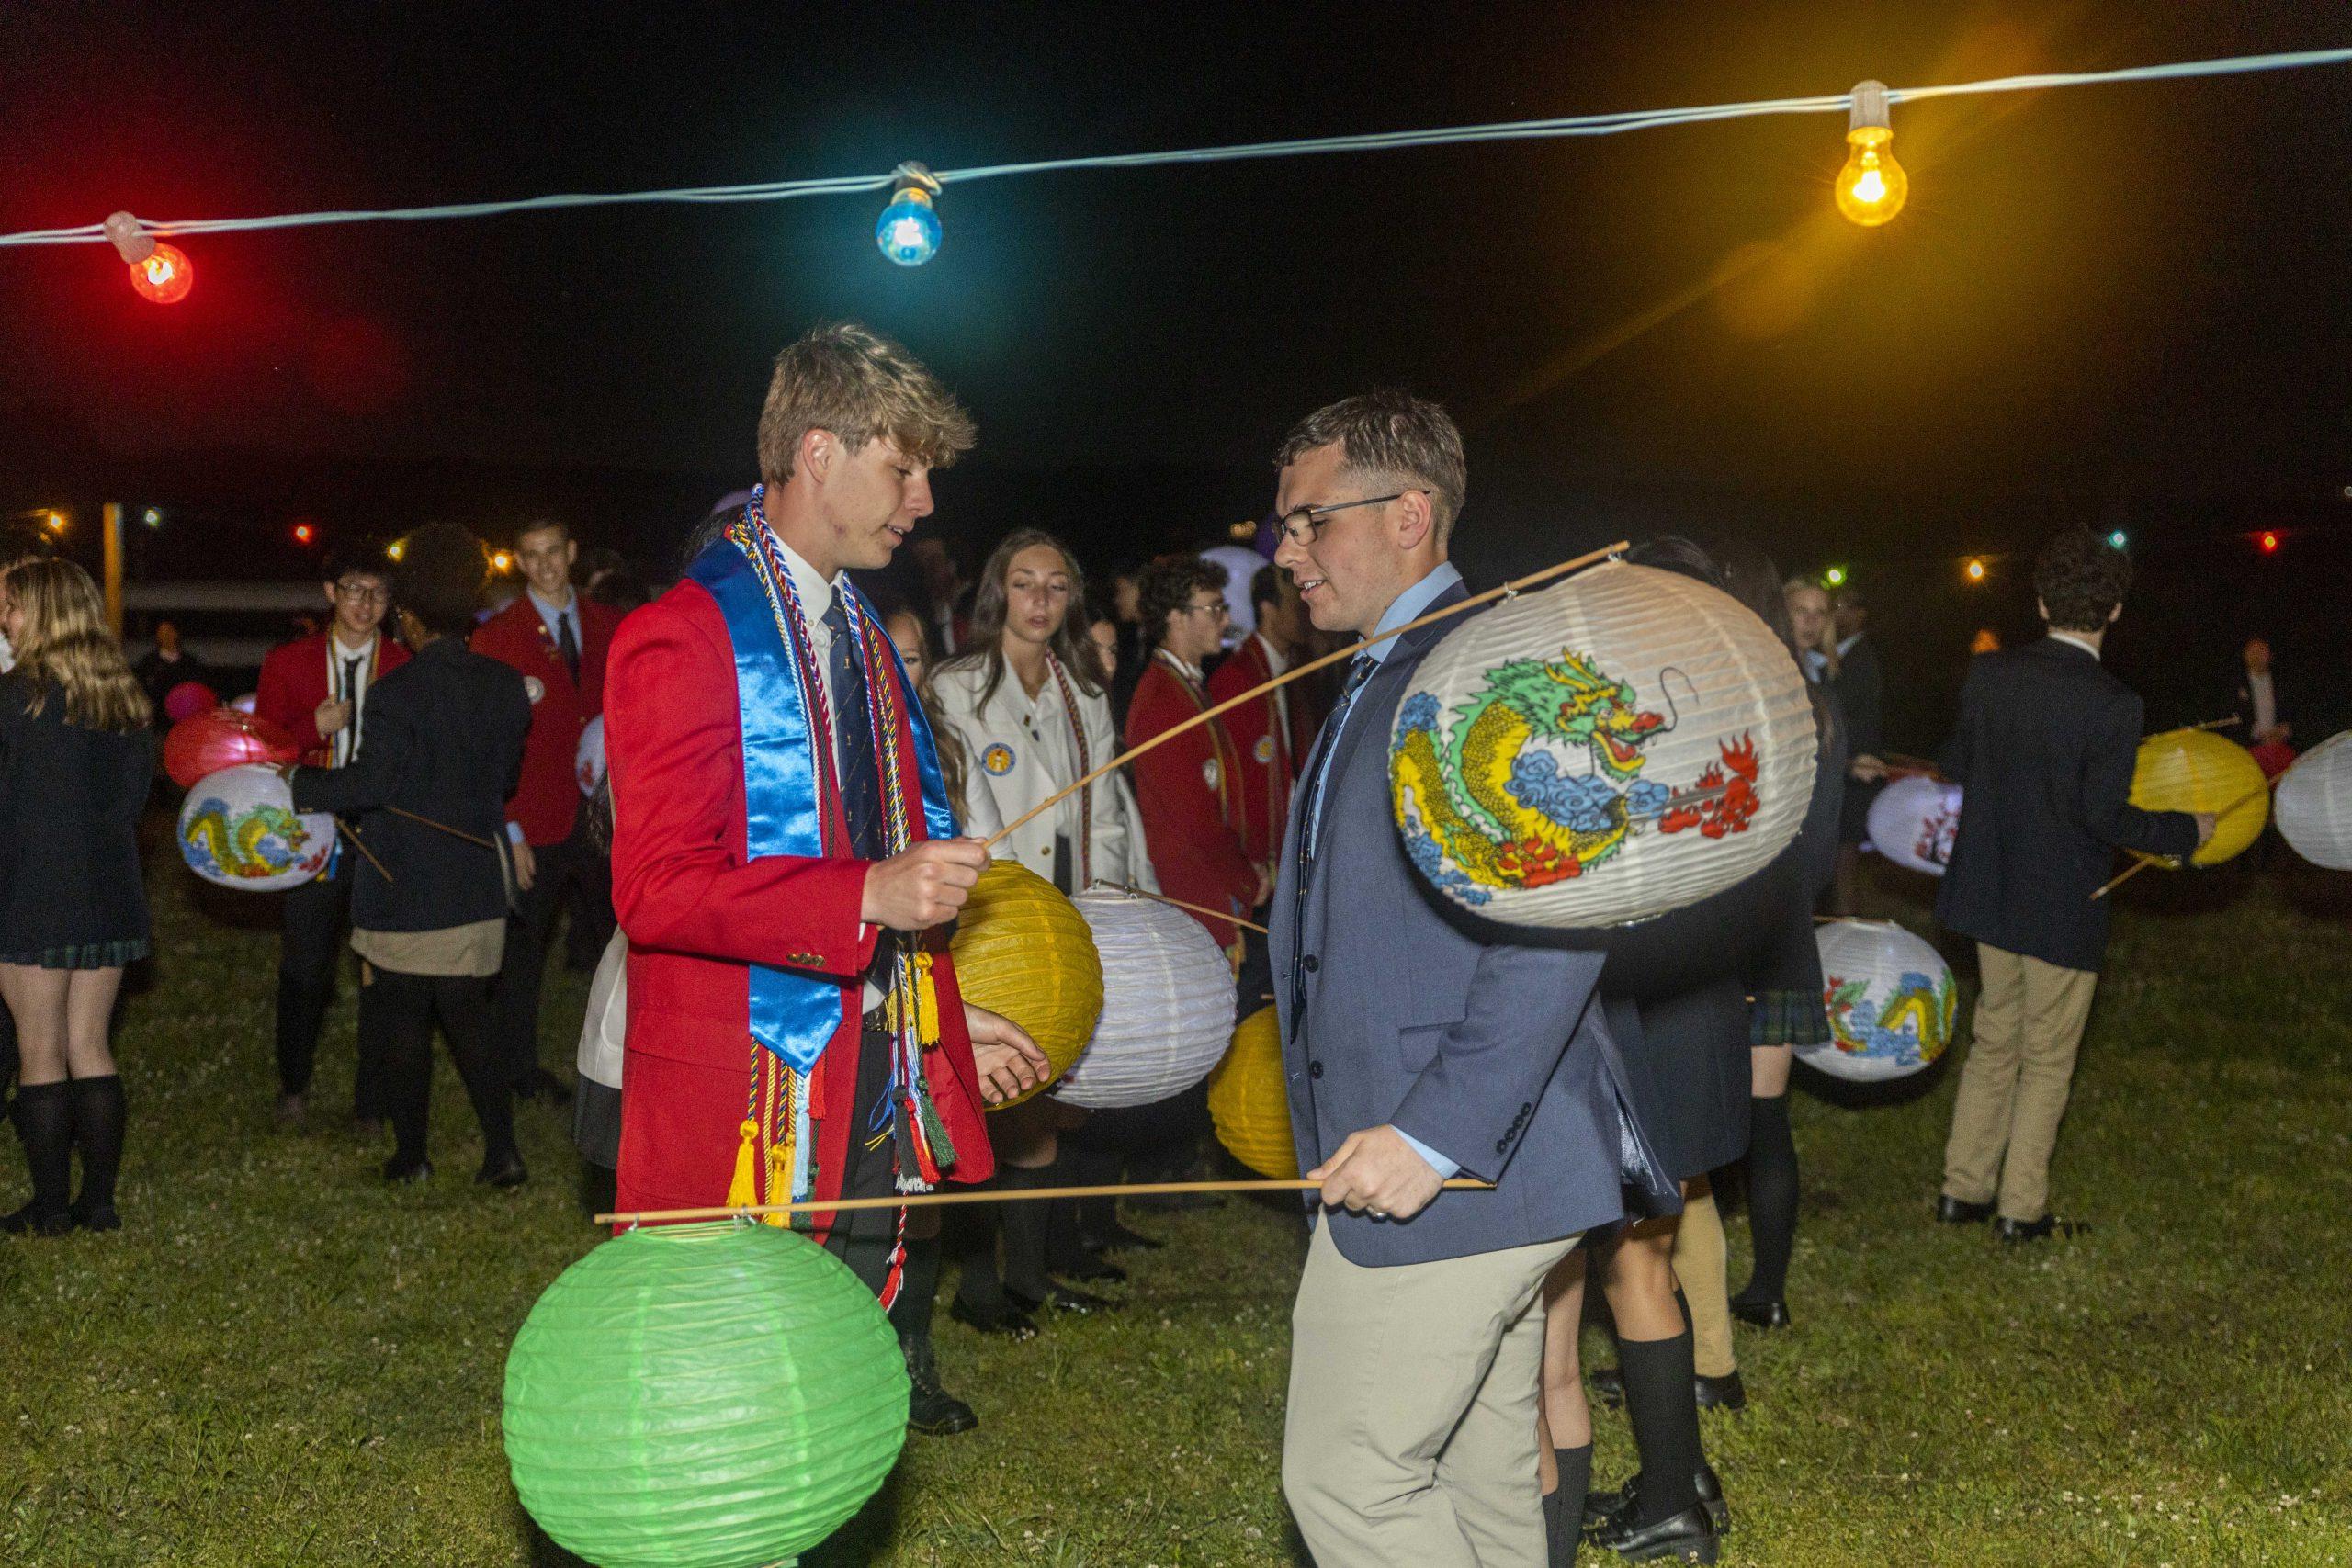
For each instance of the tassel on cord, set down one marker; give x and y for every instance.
(743, 1191)
(926, 1002)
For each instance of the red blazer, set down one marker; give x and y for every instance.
(294, 683)
(546, 800)
(1270, 754)
(699, 910)
(1191, 795)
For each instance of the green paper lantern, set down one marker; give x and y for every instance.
(702, 1396)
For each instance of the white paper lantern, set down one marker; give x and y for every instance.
(1167, 1004)
(588, 757)
(1914, 821)
(2313, 803)
(1601, 752)
(1891, 998)
(238, 827)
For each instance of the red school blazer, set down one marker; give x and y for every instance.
(1191, 799)
(294, 683)
(1271, 757)
(546, 799)
(699, 910)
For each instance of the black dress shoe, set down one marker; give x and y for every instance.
(1606, 1385)
(929, 1408)
(1687, 1537)
(34, 1220)
(1725, 1392)
(1061, 1298)
(93, 1216)
(1613, 1511)
(1116, 1238)
(400, 1175)
(1090, 1267)
(508, 1172)
(2042, 1229)
(1763, 1314)
(1951, 1211)
(1001, 1317)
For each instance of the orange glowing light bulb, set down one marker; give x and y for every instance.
(1873, 185)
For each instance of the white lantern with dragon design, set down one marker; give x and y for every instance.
(1891, 998)
(2315, 803)
(1601, 752)
(1914, 821)
(238, 827)
(1167, 1004)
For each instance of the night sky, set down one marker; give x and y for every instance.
(2123, 304)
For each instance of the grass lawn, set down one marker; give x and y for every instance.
(280, 1361)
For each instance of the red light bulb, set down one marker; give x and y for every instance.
(165, 276)
(2269, 542)
(304, 533)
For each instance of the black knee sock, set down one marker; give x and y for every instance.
(1771, 1197)
(1564, 1509)
(1024, 1233)
(918, 1288)
(1082, 1166)
(99, 1116)
(44, 1118)
(1664, 1415)
(970, 1231)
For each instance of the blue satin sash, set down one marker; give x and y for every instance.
(795, 1013)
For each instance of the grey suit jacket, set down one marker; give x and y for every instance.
(1399, 1008)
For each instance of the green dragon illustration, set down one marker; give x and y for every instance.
(234, 849)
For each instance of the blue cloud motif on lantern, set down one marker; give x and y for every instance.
(1579, 802)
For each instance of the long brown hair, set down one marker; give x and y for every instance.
(988, 616)
(66, 641)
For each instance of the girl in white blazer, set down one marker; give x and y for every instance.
(1028, 711)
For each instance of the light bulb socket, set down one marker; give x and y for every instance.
(130, 238)
(914, 177)
(1870, 110)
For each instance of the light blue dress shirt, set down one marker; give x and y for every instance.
(1409, 605)
(552, 615)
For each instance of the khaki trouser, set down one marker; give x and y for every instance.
(1698, 1269)
(2013, 1087)
(1410, 1438)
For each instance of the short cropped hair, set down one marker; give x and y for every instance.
(357, 563)
(859, 384)
(1395, 441)
(1266, 587)
(2081, 578)
(1168, 584)
(442, 571)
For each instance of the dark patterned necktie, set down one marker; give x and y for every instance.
(567, 642)
(348, 739)
(1359, 671)
(861, 776)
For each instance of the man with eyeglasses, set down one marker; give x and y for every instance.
(1190, 789)
(316, 689)
(1417, 1043)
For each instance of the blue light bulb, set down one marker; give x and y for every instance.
(909, 231)
(2119, 538)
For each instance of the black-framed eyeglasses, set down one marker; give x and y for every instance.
(364, 592)
(1304, 525)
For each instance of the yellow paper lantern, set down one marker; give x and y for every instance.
(2196, 770)
(1022, 949)
(1250, 1099)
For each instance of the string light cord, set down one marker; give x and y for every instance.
(1611, 124)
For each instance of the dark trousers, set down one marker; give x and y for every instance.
(408, 1007)
(589, 902)
(865, 1238)
(523, 973)
(314, 922)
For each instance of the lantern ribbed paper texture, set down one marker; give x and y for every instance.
(1913, 822)
(1250, 1099)
(1167, 1004)
(2196, 770)
(1601, 752)
(1892, 1001)
(2315, 804)
(238, 827)
(701, 1396)
(223, 738)
(1022, 949)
